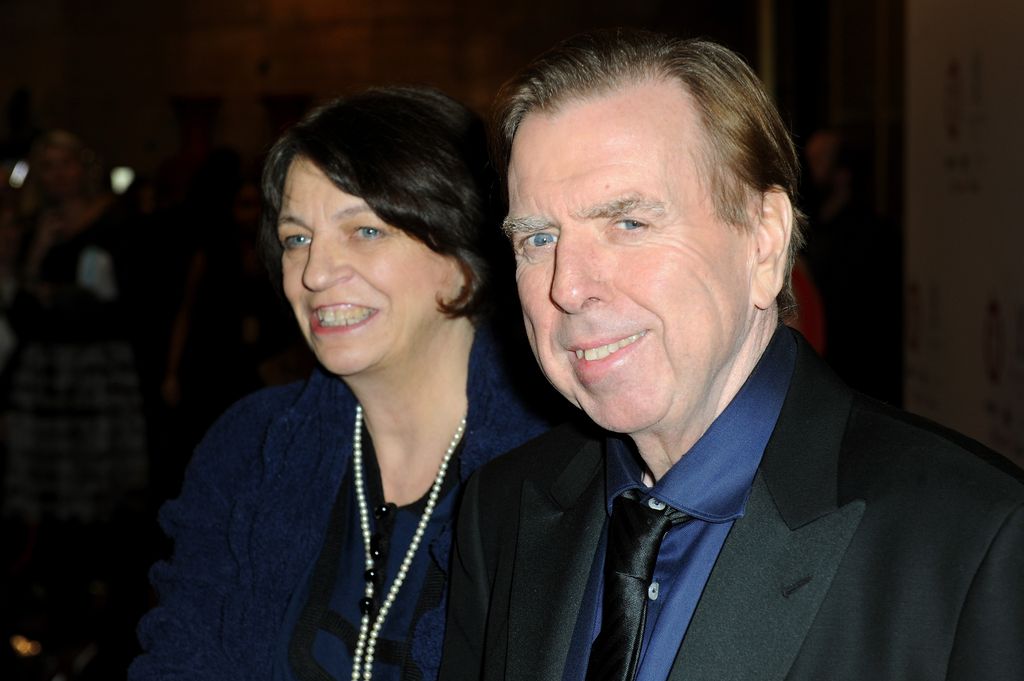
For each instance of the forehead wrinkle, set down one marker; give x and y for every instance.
(289, 219)
(621, 206)
(355, 209)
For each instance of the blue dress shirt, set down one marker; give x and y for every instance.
(711, 483)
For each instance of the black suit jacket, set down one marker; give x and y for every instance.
(875, 545)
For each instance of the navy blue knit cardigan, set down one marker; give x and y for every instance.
(254, 509)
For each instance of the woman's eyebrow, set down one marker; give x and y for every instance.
(287, 218)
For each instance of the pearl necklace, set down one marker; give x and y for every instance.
(363, 661)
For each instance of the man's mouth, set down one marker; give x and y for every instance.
(342, 315)
(600, 352)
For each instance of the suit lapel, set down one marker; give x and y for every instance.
(560, 528)
(778, 562)
(763, 593)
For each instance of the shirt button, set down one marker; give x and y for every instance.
(652, 591)
(655, 504)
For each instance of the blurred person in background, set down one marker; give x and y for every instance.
(75, 433)
(313, 529)
(230, 322)
(855, 259)
(10, 238)
(77, 445)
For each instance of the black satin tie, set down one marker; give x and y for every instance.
(634, 536)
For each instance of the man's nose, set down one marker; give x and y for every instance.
(579, 279)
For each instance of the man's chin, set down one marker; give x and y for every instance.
(617, 418)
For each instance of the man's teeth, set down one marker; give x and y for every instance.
(590, 354)
(342, 316)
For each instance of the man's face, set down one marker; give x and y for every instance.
(642, 306)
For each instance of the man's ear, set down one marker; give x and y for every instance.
(773, 228)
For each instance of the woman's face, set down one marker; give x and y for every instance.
(365, 293)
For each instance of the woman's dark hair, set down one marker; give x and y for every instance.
(417, 157)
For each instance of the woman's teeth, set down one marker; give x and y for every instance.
(342, 316)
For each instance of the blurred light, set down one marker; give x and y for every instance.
(121, 178)
(25, 647)
(18, 174)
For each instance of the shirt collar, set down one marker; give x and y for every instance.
(712, 480)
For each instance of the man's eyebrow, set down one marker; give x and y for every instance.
(620, 207)
(526, 224)
(605, 210)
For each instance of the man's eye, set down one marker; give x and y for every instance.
(629, 224)
(540, 239)
(370, 232)
(294, 241)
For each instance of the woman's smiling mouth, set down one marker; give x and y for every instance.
(342, 315)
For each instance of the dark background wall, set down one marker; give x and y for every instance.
(143, 82)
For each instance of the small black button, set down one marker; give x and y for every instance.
(376, 546)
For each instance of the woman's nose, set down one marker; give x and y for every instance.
(326, 264)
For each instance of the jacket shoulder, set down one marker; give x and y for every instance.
(543, 461)
(546, 453)
(230, 451)
(886, 449)
(256, 409)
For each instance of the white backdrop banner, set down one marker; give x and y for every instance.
(965, 218)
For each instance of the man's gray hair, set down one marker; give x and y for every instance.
(747, 149)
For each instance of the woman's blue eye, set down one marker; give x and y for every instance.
(540, 239)
(294, 241)
(369, 232)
